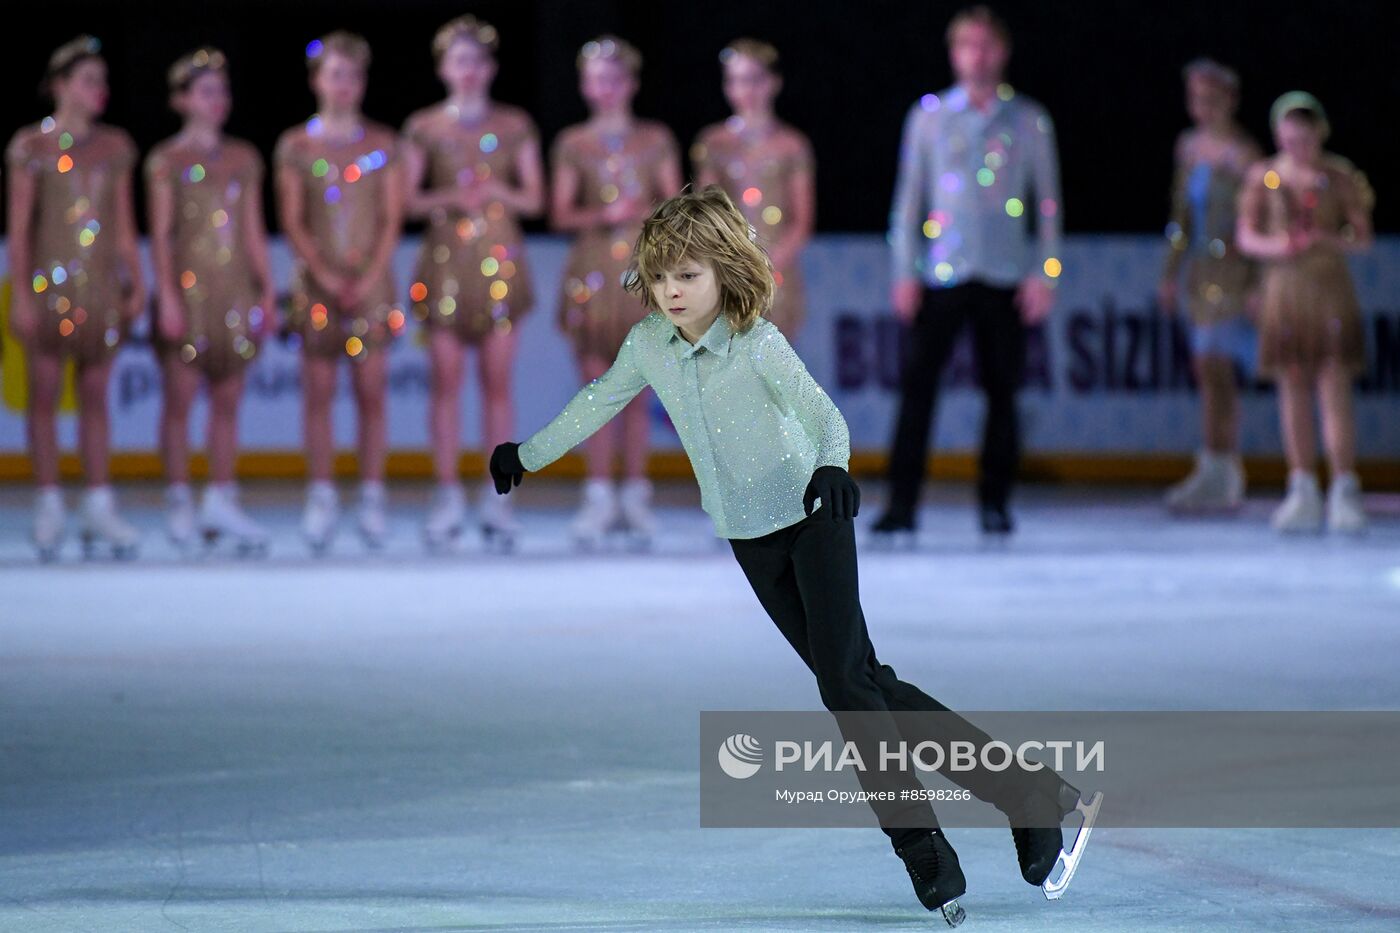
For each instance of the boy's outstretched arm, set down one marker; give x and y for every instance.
(592, 406)
(787, 376)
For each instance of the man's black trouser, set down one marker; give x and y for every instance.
(805, 577)
(999, 343)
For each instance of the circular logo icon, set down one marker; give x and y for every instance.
(741, 756)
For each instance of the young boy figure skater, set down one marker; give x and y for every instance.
(767, 443)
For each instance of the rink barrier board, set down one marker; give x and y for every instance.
(1107, 397)
(408, 466)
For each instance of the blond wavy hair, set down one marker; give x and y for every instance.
(706, 227)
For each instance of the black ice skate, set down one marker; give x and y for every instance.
(1036, 829)
(938, 878)
(896, 528)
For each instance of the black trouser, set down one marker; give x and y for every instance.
(999, 342)
(805, 577)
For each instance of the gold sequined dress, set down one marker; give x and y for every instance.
(472, 277)
(343, 197)
(595, 311)
(1309, 313)
(214, 274)
(757, 175)
(78, 273)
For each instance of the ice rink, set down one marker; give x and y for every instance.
(481, 742)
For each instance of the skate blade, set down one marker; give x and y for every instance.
(902, 540)
(1053, 887)
(497, 539)
(953, 912)
(634, 541)
(442, 544)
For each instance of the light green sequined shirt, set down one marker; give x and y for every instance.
(753, 421)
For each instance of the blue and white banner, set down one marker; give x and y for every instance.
(1107, 374)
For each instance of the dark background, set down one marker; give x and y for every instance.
(1108, 71)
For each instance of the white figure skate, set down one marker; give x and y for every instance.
(1216, 484)
(1345, 513)
(49, 522)
(1301, 510)
(637, 520)
(596, 515)
(179, 515)
(372, 516)
(499, 527)
(447, 513)
(319, 520)
(220, 516)
(102, 526)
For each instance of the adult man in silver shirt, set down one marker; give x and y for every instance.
(977, 163)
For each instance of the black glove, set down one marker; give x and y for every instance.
(839, 493)
(506, 470)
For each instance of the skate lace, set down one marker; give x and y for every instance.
(1022, 837)
(922, 860)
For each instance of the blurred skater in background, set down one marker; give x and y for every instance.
(1301, 212)
(473, 167)
(1211, 159)
(215, 298)
(608, 172)
(977, 160)
(78, 283)
(340, 201)
(766, 167)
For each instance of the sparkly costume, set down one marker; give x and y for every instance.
(753, 421)
(757, 174)
(968, 182)
(219, 288)
(595, 312)
(1309, 313)
(1202, 236)
(756, 426)
(471, 276)
(343, 189)
(78, 270)
(967, 185)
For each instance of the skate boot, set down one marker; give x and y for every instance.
(1345, 512)
(446, 515)
(596, 515)
(895, 527)
(101, 525)
(995, 520)
(635, 503)
(499, 526)
(1036, 819)
(319, 520)
(1301, 510)
(49, 521)
(221, 516)
(372, 517)
(938, 878)
(1216, 484)
(179, 515)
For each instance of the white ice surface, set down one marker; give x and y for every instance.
(472, 742)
